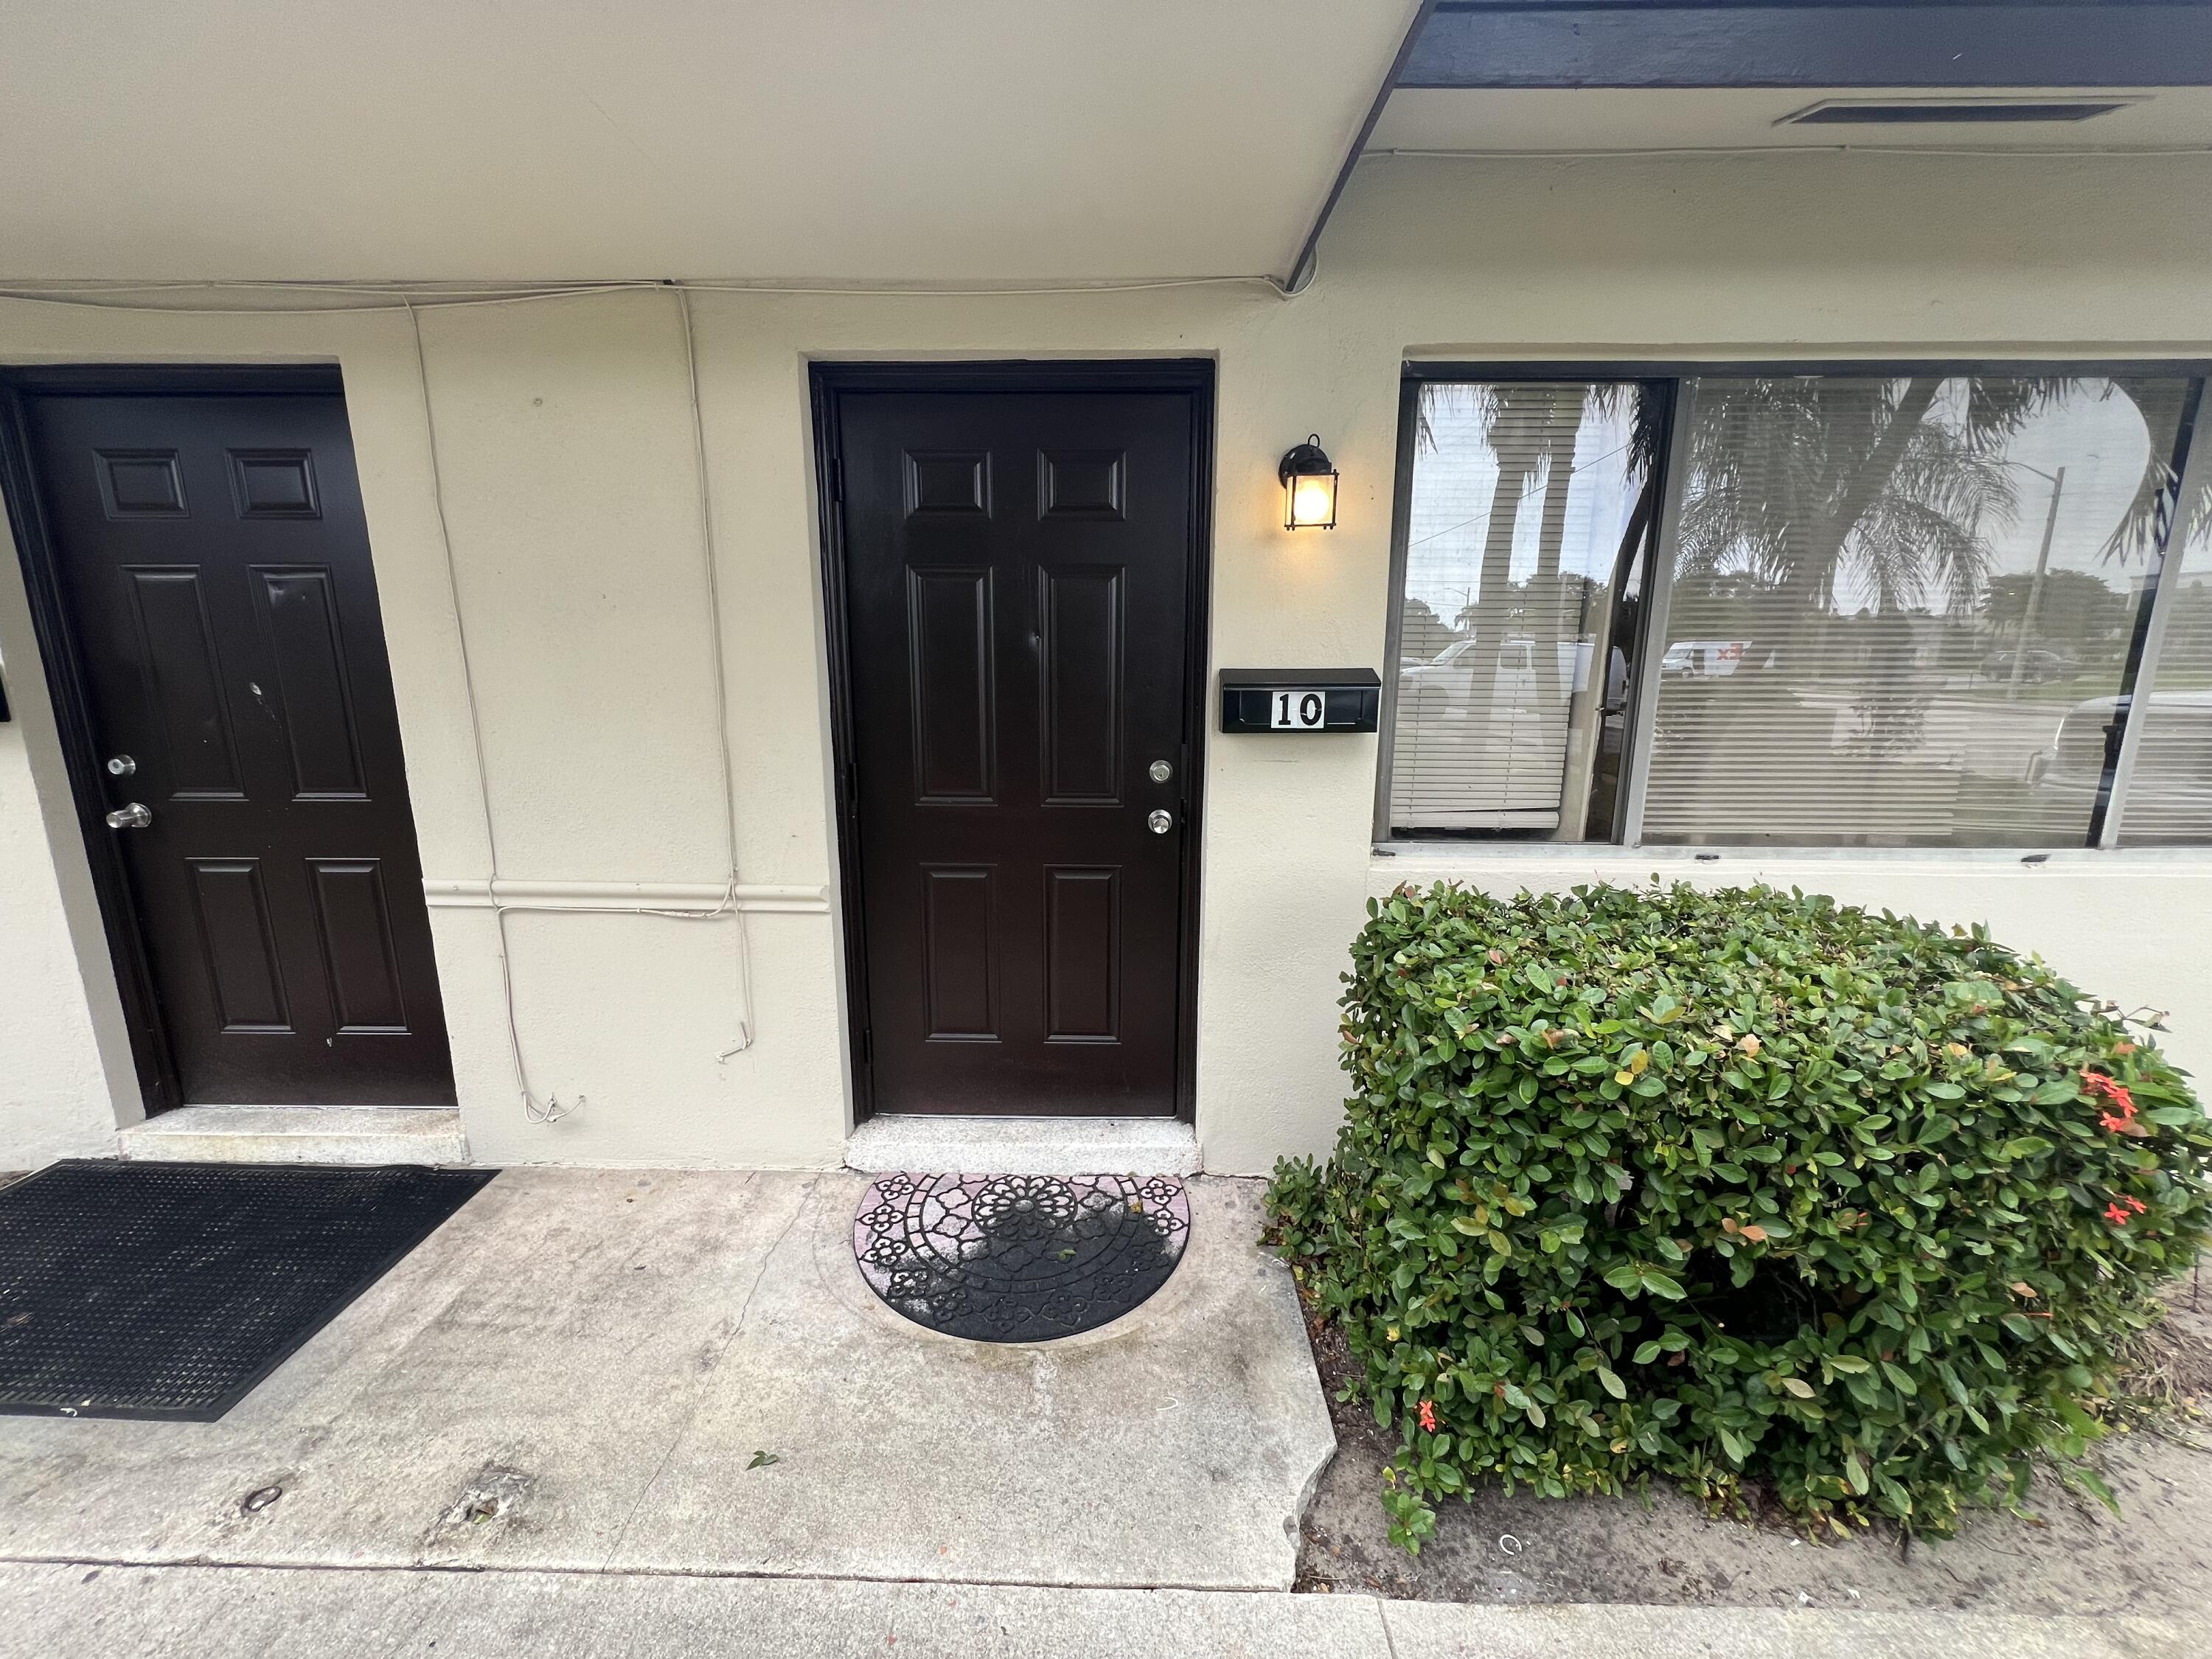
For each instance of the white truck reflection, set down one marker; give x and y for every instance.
(2173, 760)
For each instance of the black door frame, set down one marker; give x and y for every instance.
(828, 382)
(150, 1052)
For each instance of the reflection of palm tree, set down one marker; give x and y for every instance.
(1883, 489)
(1532, 429)
(1810, 500)
(1790, 478)
(1556, 412)
(1529, 426)
(2150, 514)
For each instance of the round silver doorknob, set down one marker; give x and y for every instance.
(1160, 771)
(133, 816)
(1159, 818)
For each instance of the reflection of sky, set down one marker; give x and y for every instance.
(2095, 431)
(1455, 481)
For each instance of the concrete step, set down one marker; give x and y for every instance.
(1023, 1145)
(300, 1135)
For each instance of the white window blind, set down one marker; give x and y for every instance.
(2169, 801)
(1900, 609)
(1520, 497)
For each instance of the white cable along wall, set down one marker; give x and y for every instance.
(728, 898)
(358, 298)
(549, 1108)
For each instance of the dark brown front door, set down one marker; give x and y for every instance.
(1018, 603)
(213, 571)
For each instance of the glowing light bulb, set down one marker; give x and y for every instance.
(1309, 486)
(1313, 501)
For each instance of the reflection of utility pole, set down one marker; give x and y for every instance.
(2035, 588)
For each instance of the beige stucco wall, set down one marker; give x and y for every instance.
(54, 1098)
(566, 454)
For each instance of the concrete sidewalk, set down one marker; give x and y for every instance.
(577, 1371)
(537, 1436)
(184, 1612)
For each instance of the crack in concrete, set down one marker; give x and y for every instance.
(1556, 1629)
(525, 1570)
(798, 1210)
(1389, 1637)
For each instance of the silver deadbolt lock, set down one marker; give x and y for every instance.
(121, 766)
(133, 816)
(1160, 771)
(1160, 819)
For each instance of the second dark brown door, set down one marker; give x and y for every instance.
(1018, 589)
(215, 567)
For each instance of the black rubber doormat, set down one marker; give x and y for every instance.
(169, 1290)
(1012, 1258)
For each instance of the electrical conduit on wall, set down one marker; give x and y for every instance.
(502, 896)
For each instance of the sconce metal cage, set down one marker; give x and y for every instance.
(1310, 482)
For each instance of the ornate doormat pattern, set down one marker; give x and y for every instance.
(1014, 1258)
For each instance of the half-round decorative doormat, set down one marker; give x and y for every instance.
(1017, 1258)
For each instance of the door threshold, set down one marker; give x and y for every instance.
(299, 1134)
(889, 1143)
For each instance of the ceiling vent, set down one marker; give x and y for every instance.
(1950, 111)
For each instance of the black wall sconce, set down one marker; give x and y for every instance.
(1308, 486)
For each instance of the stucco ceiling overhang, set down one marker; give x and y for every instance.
(868, 141)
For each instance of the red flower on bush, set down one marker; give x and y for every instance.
(2117, 1216)
(2111, 1089)
(1429, 1415)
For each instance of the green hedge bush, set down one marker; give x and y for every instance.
(1736, 1185)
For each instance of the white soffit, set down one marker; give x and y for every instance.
(883, 141)
(1745, 117)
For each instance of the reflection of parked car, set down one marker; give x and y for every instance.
(1464, 677)
(2173, 762)
(1703, 659)
(2036, 665)
(1481, 715)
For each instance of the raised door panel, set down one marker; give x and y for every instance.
(941, 483)
(182, 681)
(354, 924)
(950, 690)
(238, 945)
(300, 620)
(274, 483)
(960, 968)
(1082, 954)
(1079, 652)
(1081, 483)
(140, 484)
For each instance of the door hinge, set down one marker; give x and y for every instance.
(867, 1046)
(837, 480)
